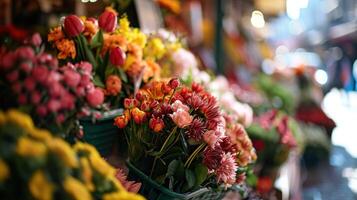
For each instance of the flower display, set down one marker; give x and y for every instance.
(45, 167)
(54, 95)
(175, 131)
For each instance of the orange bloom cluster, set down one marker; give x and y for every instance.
(112, 40)
(65, 46)
(113, 85)
(171, 5)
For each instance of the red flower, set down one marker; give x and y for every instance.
(117, 56)
(73, 26)
(138, 115)
(212, 157)
(196, 130)
(174, 83)
(227, 145)
(108, 20)
(264, 184)
(121, 121)
(130, 103)
(156, 124)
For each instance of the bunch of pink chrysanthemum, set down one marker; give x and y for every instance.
(168, 124)
(53, 95)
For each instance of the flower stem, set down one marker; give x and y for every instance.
(193, 155)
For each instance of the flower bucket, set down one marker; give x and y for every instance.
(101, 132)
(153, 191)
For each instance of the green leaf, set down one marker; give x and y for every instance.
(160, 179)
(97, 40)
(122, 75)
(88, 52)
(183, 143)
(171, 169)
(190, 178)
(201, 173)
(98, 82)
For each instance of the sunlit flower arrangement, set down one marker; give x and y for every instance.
(36, 165)
(115, 50)
(54, 95)
(177, 135)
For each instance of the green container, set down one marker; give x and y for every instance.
(101, 133)
(153, 191)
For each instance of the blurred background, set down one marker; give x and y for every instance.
(301, 53)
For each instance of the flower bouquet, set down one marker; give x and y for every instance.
(36, 165)
(54, 96)
(178, 138)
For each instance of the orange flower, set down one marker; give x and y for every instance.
(154, 90)
(138, 115)
(135, 50)
(151, 70)
(89, 29)
(66, 49)
(112, 41)
(113, 85)
(121, 121)
(55, 34)
(135, 69)
(172, 5)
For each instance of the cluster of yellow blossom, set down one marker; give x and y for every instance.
(38, 146)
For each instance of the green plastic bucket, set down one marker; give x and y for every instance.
(101, 133)
(153, 191)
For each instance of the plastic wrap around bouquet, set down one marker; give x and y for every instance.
(179, 142)
(36, 165)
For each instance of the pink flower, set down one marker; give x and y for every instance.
(86, 67)
(210, 138)
(26, 67)
(8, 60)
(22, 99)
(181, 118)
(35, 97)
(30, 84)
(53, 77)
(36, 39)
(12, 76)
(212, 157)
(85, 80)
(56, 89)
(41, 110)
(95, 97)
(67, 101)
(130, 186)
(25, 52)
(60, 118)
(40, 73)
(71, 78)
(80, 91)
(17, 87)
(179, 105)
(53, 105)
(226, 172)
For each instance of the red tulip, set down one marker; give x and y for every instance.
(73, 25)
(117, 56)
(108, 21)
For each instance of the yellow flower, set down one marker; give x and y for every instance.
(138, 38)
(130, 59)
(28, 147)
(87, 173)
(19, 118)
(155, 48)
(122, 196)
(64, 151)
(40, 134)
(101, 166)
(85, 148)
(124, 25)
(40, 187)
(4, 170)
(76, 189)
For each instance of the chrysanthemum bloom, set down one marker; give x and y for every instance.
(181, 118)
(130, 186)
(112, 41)
(113, 85)
(196, 129)
(55, 34)
(212, 157)
(211, 138)
(40, 187)
(226, 172)
(151, 70)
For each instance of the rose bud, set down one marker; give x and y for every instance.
(121, 121)
(73, 26)
(117, 56)
(156, 124)
(174, 83)
(108, 20)
(138, 115)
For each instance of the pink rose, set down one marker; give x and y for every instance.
(56, 89)
(13, 76)
(25, 52)
(86, 67)
(30, 84)
(36, 39)
(40, 73)
(41, 110)
(210, 137)
(53, 105)
(95, 97)
(85, 80)
(67, 101)
(80, 91)
(8, 60)
(71, 78)
(26, 67)
(181, 118)
(60, 118)
(179, 105)
(35, 97)
(53, 77)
